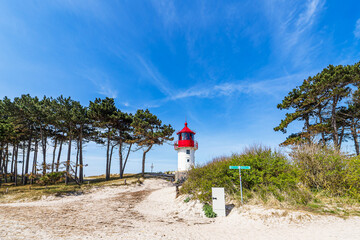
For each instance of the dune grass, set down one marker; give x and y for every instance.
(318, 180)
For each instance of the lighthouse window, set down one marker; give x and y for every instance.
(188, 160)
(186, 136)
(187, 151)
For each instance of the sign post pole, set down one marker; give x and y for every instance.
(240, 186)
(240, 167)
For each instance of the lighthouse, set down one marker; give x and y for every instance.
(186, 147)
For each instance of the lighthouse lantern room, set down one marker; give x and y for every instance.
(186, 147)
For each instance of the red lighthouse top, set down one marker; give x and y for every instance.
(185, 130)
(186, 138)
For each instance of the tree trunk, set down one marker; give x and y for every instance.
(355, 136)
(1, 162)
(23, 163)
(34, 170)
(54, 156)
(6, 161)
(120, 159)
(341, 136)
(111, 154)
(143, 160)
(81, 169)
(320, 122)
(15, 166)
(12, 164)
(77, 159)
(59, 155)
(333, 123)
(35, 157)
(107, 176)
(68, 161)
(43, 144)
(127, 157)
(27, 160)
(307, 124)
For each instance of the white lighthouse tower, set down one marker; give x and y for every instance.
(186, 147)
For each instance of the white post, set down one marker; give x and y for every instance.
(218, 201)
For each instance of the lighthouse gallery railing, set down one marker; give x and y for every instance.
(194, 145)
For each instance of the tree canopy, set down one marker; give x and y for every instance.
(150, 131)
(328, 106)
(29, 125)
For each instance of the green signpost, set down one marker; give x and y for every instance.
(240, 167)
(244, 167)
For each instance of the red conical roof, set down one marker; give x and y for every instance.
(185, 130)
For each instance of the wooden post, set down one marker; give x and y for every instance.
(177, 191)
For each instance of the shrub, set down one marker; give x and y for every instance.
(51, 178)
(325, 168)
(273, 176)
(209, 211)
(352, 177)
(270, 171)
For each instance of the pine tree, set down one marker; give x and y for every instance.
(150, 131)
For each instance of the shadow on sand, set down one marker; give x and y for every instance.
(228, 208)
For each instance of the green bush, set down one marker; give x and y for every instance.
(209, 211)
(186, 200)
(270, 171)
(325, 168)
(352, 177)
(51, 178)
(295, 180)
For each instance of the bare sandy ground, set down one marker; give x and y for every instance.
(150, 211)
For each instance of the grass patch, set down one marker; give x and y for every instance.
(10, 193)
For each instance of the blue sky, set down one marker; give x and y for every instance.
(222, 65)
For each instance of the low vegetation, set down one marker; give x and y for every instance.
(209, 211)
(313, 178)
(327, 169)
(10, 193)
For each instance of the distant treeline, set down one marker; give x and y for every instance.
(329, 106)
(29, 125)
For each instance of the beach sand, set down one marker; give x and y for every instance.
(151, 211)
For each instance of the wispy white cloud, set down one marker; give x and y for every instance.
(101, 81)
(167, 11)
(107, 91)
(94, 9)
(272, 87)
(156, 78)
(357, 29)
(147, 70)
(104, 88)
(307, 17)
(292, 26)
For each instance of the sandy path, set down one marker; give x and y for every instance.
(150, 211)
